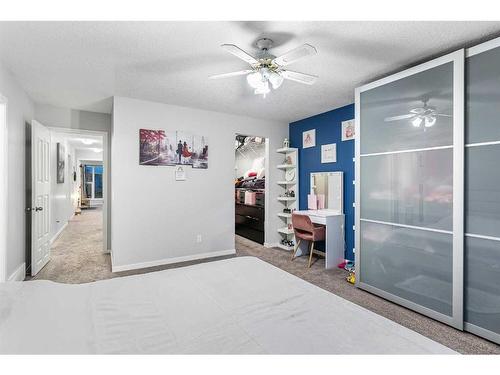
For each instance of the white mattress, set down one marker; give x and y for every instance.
(240, 305)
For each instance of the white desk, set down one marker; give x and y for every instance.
(334, 241)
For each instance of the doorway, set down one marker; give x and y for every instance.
(251, 162)
(77, 207)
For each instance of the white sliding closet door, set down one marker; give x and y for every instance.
(482, 225)
(409, 188)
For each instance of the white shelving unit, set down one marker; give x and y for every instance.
(290, 163)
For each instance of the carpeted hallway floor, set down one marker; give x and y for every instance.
(77, 257)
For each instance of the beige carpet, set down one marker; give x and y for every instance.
(77, 257)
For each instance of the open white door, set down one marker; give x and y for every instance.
(40, 208)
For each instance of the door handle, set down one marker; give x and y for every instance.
(36, 209)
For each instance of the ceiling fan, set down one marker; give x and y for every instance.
(267, 70)
(425, 115)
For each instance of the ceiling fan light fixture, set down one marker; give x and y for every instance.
(266, 69)
(276, 80)
(417, 121)
(263, 89)
(430, 121)
(254, 80)
(87, 141)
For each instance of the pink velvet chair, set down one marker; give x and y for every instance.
(305, 230)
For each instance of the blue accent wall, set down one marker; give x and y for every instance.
(328, 130)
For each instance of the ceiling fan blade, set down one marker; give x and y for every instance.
(397, 118)
(233, 74)
(443, 115)
(295, 54)
(308, 79)
(239, 53)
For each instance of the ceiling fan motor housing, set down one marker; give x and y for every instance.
(264, 43)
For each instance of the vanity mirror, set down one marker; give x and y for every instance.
(331, 186)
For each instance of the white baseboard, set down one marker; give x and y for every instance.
(19, 274)
(58, 233)
(269, 245)
(161, 262)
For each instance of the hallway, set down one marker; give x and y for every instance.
(77, 256)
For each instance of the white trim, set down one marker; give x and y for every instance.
(4, 168)
(270, 245)
(357, 183)
(406, 151)
(407, 226)
(56, 236)
(458, 59)
(267, 190)
(480, 236)
(483, 47)
(106, 178)
(482, 144)
(19, 274)
(161, 262)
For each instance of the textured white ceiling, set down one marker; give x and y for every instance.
(81, 65)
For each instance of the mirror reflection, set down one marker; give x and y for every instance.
(328, 186)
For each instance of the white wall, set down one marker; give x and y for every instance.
(156, 219)
(49, 115)
(20, 109)
(84, 154)
(62, 204)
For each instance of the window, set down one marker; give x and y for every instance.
(92, 180)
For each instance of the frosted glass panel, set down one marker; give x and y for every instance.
(414, 188)
(483, 97)
(482, 190)
(413, 264)
(482, 276)
(431, 90)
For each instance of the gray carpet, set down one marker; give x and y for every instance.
(77, 257)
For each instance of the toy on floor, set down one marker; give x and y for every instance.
(349, 266)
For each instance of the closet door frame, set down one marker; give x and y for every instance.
(458, 60)
(472, 51)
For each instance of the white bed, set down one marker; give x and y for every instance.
(240, 305)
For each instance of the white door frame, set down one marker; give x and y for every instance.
(4, 168)
(267, 186)
(106, 176)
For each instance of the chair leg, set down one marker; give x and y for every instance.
(296, 248)
(311, 247)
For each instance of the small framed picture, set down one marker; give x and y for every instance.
(61, 157)
(329, 153)
(309, 138)
(348, 132)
